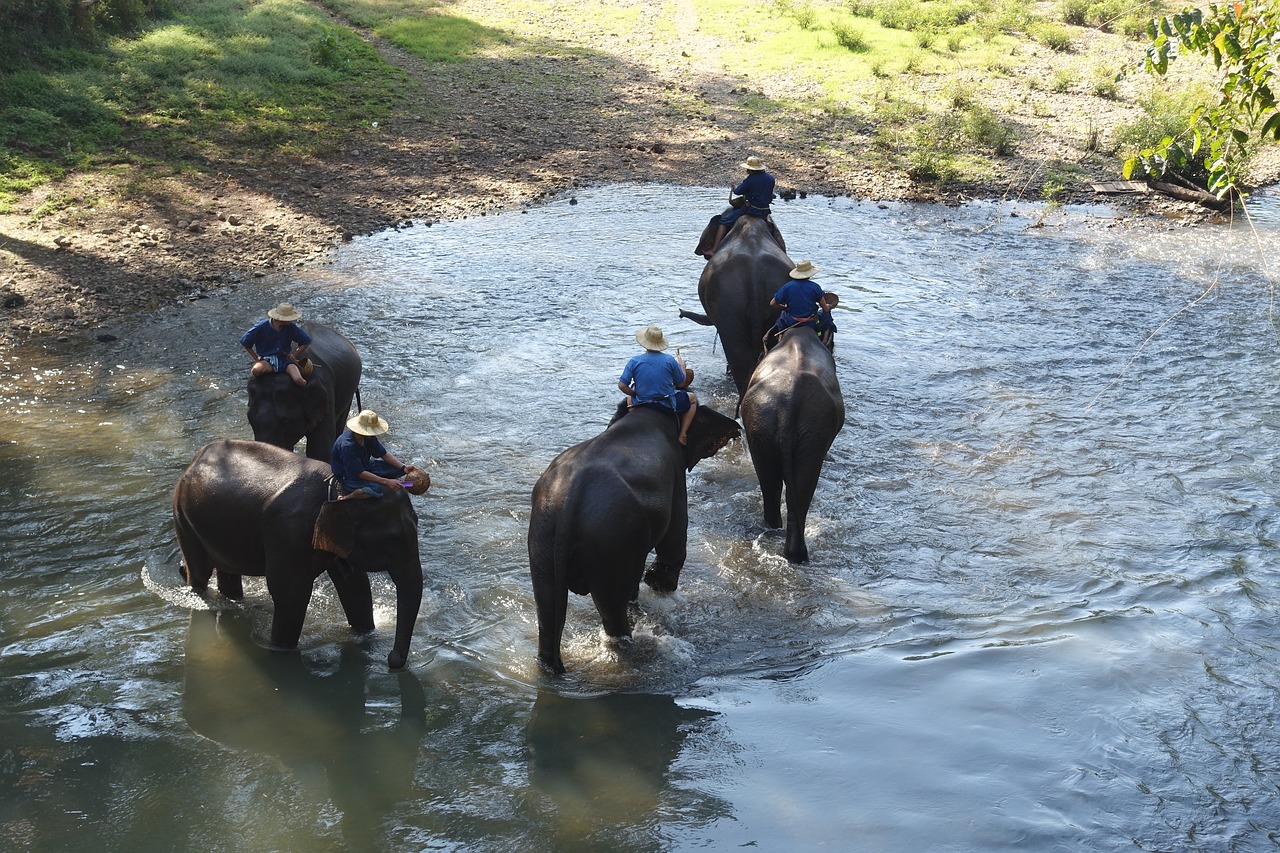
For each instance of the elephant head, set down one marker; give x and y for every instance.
(377, 535)
(281, 413)
(709, 432)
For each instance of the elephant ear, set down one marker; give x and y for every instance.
(709, 432)
(335, 529)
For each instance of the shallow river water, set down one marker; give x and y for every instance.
(1042, 611)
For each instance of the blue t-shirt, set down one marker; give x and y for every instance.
(654, 376)
(799, 297)
(265, 340)
(350, 457)
(758, 188)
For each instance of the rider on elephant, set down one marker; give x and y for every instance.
(655, 378)
(361, 464)
(803, 303)
(754, 195)
(269, 343)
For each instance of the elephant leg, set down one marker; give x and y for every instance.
(290, 587)
(408, 601)
(672, 549)
(613, 613)
(354, 593)
(769, 473)
(230, 585)
(197, 565)
(552, 600)
(799, 496)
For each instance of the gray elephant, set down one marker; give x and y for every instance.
(792, 412)
(605, 503)
(248, 508)
(735, 289)
(282, 414)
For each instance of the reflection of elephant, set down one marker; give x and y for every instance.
(601, 507)
(283, 414)
(247, 508)
(792, 412)
(604, 761)
(246, 698)
(735, 289)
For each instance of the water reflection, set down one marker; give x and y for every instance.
(603, 764)
(249, 698)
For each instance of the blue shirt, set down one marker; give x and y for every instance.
(350, 457)
(654, 376)
(265, 340)
(758, 188)
(799, 297)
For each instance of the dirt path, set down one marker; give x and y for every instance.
(498, 133)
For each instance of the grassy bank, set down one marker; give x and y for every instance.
(944, 86)
(218, 81)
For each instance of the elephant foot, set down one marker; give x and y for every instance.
(662, 578)
(553, 666)
(397, 659)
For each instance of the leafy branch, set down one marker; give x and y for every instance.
(1243, 40)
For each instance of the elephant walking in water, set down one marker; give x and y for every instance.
(792, 412)
(605, 503)
(283, 414)
(248, 508)
(735, 289)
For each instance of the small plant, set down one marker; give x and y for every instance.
(805, 16)
(327, 51)
(955, 40)
(861, 8)
(1075, 12)
(987, 131)
(1062, 80)
(1053, 36)
(925, 37)
(852, 39)
(1106, 87)
(961, 95)
(1052, 191)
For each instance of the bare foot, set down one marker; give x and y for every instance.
(684, 438)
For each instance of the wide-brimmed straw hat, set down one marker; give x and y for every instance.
(652, 339)
(368, 423)
(804, 269)
(285, 313)
(753, 164)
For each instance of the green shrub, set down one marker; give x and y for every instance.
(1052, 36)
(805, 16)
(1075, 12)
(986, 131)
(1062, 80)
(851, 38)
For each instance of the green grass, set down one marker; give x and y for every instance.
(221, 74)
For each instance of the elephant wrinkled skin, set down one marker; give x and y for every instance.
(248, 508)
(792, 412)
(735, 288)
(601, 507)
(282, 414)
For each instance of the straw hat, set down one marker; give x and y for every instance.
(753, 164)
(285, 313)
(368, 423)
(652, 339)
(804, 269)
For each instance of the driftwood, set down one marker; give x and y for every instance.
(1184, 190)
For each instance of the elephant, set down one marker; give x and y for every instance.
(791, 413)
(283, 414)
(249, 508)
(735, 288)
(602, 505)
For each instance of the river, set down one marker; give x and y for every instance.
(1042, 609)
